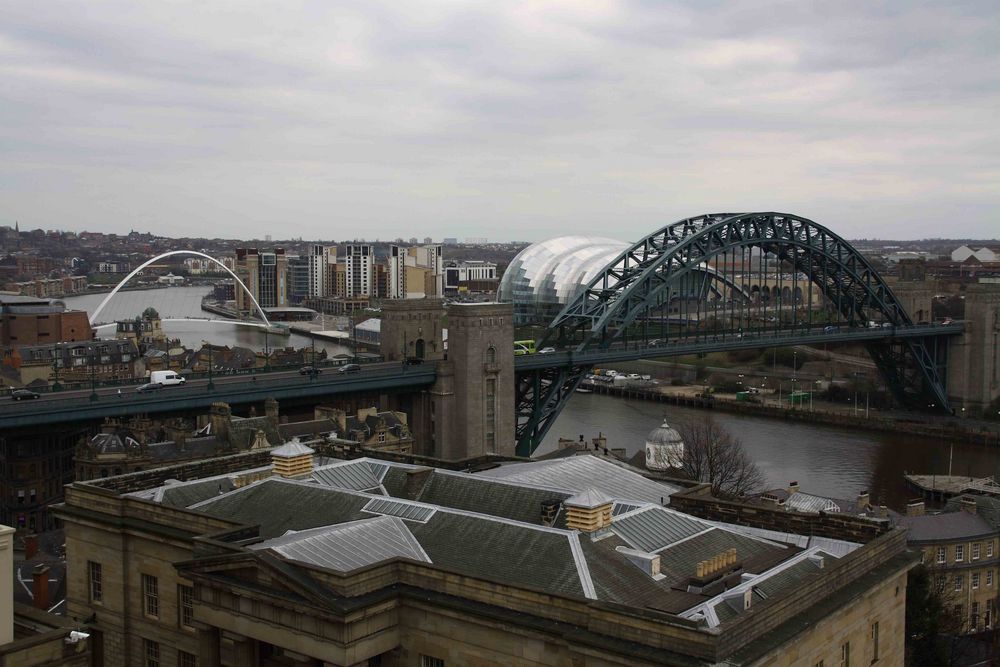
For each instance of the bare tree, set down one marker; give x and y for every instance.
(713, 455)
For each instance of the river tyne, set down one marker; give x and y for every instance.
(829, 461)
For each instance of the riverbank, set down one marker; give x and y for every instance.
(948, 431)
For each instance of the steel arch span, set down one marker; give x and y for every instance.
(616, 304)
(93, 317)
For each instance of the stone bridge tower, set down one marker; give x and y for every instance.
(974, 357)
(469, 411)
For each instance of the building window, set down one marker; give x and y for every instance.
(875, 641)
(845, 654)
(940, 554)
(185, 605)
(151, 650)
(96, 582)
(989, 549)
(975, 615)
(491, 414)
(975, 581)
(989, 577)
(185, 659)
(150, 596)
(975, 551)
(959, 580)
(491, 355)
(428, 661)
(959, 553)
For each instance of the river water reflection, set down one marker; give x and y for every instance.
(829, 461)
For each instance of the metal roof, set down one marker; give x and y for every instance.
(355, 475)
(654, 528)
(348, 546)
(400, 509)
(292, 449)
(578, 473)
(587, 499)
(946, 526)
(804, 502)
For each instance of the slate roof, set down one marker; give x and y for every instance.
(480, 494)
(243, 430)
(578, 473)
(311, 428)
(348, 546)
(536, 557)
(946, 526)
(679, 561)
(987, 507)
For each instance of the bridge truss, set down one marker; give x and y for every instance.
(775, 274)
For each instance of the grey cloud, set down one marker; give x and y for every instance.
(497, 119)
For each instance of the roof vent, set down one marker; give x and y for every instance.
(647, 562)
(588, 511)
(292, 460)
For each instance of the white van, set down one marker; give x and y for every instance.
(166, 378)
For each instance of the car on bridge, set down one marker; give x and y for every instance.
(22, 394)
(547, 350)
(149, 386)
(350, 368)
(310, 370)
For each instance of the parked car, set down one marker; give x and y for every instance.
(149, 386)
(350, 368)
(310, 370)
(22, 394)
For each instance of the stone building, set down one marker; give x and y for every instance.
(289, 557)
(386, 430)
(33, 321)
(959, 546)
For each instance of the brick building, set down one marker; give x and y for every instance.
(34, 321)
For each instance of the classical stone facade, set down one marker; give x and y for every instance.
(207, 570)
(412, 329)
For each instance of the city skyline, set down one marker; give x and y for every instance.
(498, 121)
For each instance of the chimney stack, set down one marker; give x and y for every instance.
(40, 575)
(864, 500)
(30, 546)
(915, 508)
(550, 508)
(793, 487)
(969, 505)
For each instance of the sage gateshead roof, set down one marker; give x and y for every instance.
(546, 275)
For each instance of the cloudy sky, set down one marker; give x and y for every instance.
(337, 120)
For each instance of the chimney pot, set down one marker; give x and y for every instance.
(699, 569)
(863, 500)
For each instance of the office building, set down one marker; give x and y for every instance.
(33, 321)
(415, 273)
(265, 273)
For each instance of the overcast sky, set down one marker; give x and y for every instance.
(336, 120)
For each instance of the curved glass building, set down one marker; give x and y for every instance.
(546, 275)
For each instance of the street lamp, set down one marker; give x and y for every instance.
(55, 363)
(93, 377)
(211, 385)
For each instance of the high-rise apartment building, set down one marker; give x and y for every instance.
(265, 273)
(359, 270)
(317, 258)
(415, 272)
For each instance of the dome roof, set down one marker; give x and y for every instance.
(664, 434)
(546, 275)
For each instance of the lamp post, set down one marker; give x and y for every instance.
(267, 353)
(55, 364)
(93, 378)
(211, 385)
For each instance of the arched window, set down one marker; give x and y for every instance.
(491, 355)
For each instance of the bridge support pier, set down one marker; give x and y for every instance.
(974, 357)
